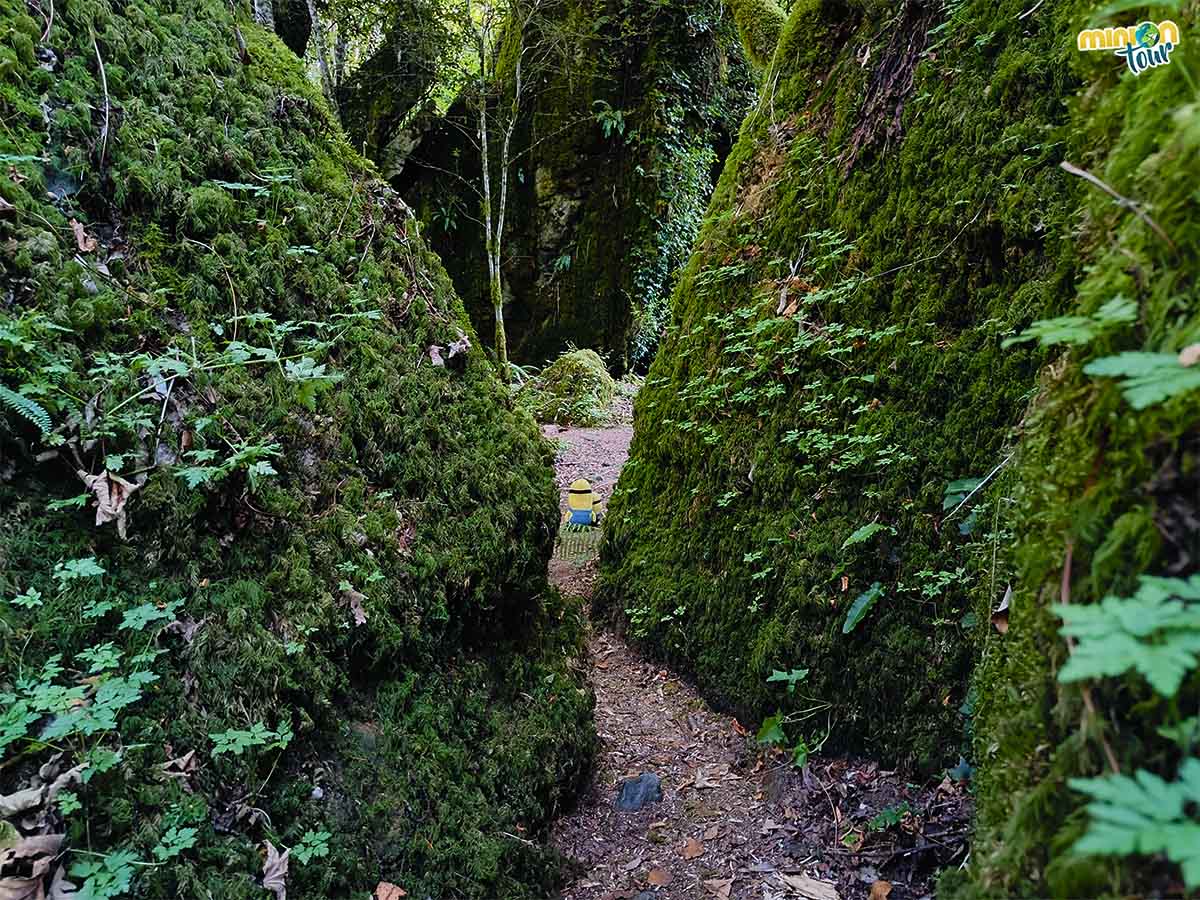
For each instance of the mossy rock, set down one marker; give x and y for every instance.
(229, 309)
(836, 361)
(576, 389)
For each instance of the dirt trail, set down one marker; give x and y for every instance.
(734, 821)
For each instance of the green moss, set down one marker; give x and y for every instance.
(1106, 482)
(835, 359)
(759, 24)
(222, 193)
(575, 389)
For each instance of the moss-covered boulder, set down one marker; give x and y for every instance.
(614, 160)
(834, 364)
(575, 389)
(274, 542)
(1102, 491)
(841, 464)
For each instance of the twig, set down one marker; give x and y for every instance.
(990, 475)
(1029, 12)
(1085, 691)
(49, 23)
(107, 105)
(917, 262)
(1121, 200)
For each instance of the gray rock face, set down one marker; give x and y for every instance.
(634, 793)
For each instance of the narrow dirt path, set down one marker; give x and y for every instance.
(733, 821)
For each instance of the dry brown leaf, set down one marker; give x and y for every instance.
(275, 869)
(83, 240)
(659, 877)
(1189, 355)
(14, 888)
(1000, 616)
(14, 804)
(809, 888)
(355, 599)
(60, 888)
(40, 848)
(880, 890)
(720, 887)
(710, 833)
(385, 890)
(692, 849)
(112, 491)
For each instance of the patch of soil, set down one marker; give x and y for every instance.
(735, 821)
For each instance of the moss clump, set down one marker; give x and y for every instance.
(576, 389)
(214, 297)
(759, 24)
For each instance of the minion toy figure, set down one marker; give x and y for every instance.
(584, 503)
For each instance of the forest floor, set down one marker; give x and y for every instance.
(734, 820)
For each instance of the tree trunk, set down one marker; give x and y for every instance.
(318, 36)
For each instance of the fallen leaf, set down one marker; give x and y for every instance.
(112, 491)
(880, 890)
(810, 888)
(1188, 356)
(60, 888)
(632, 864)
(83, 240)
(275, 869)
(710, 833)
(435, 356)
(1000, 616)
(459, 347)
(14, 804)
(355, 599)
(5, 207)
(21, 889)
(720, 887)
(385, 890)
(39, 848)
(659, 877)
(185, 627)
(692, 849)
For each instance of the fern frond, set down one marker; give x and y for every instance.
(23, 406)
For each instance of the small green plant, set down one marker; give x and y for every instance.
(865, 533)
(26, 407)
(312, 845)
(1147, 379)
(1144, 815)
(237, 741)
(1078, 330)
(790, 678)
(862, 605)
(889, 817)
(174, 841)
(1155, 633)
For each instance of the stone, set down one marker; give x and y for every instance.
(635, 793)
